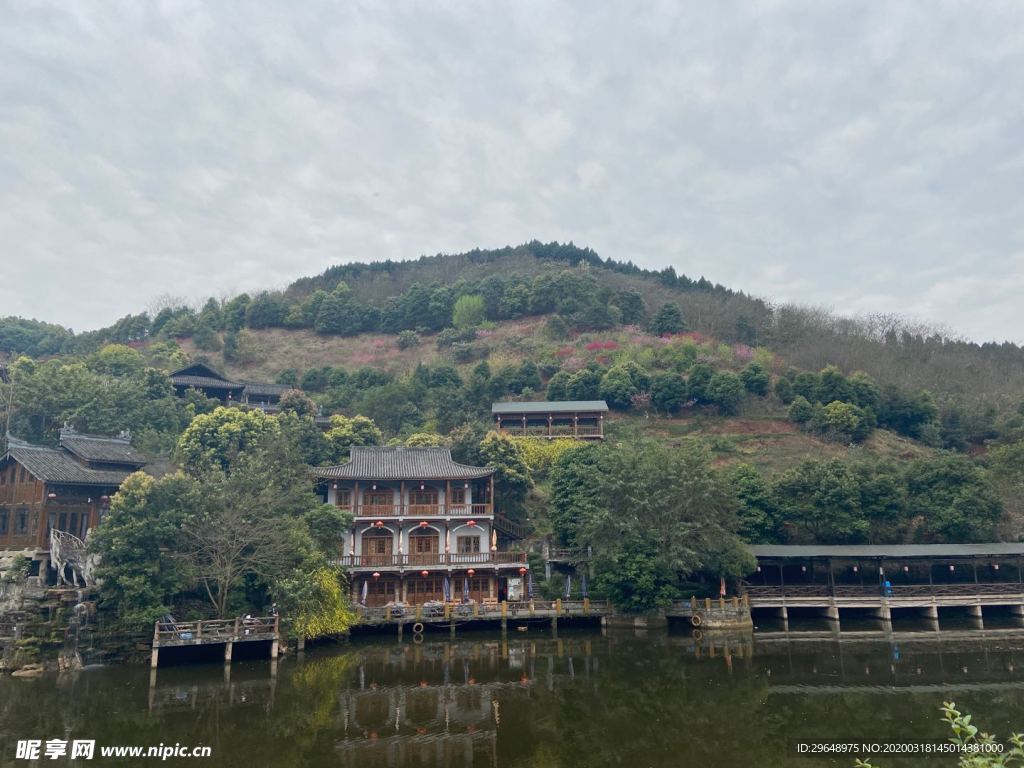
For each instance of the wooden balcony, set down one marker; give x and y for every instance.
(420, 510)
(579, 431)
(438, 560)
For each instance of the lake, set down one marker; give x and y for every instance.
(584, 699)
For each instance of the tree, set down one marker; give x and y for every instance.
(863, 390)
(469, 311)
(832, 385)
(668, 392)
(821, 501)
(558, 386)
(784, 391)
(651, 516)
(726, 391)
(143, 524)
(346, 432)
(408, 339)
(955, 498)
(617, 388)
(315, 602)
(512, 478)
(585, 384)
(698, 380)
(250, 525)
(217, 439)
(757, 511)
(426, 440)
(756, 379)
(844, 421)
(667, 320)
(800, 410)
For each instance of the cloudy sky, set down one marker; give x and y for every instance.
(861, 156)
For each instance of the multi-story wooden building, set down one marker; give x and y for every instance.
(422, 524)
(579, 419)
(64, 489)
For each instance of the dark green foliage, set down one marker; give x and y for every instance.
(266, 310)
(725, 390)
(585, 384)
(558, 386)
(905, 413)
(800, 410)
(784, 391)
(756, 379)
(667, 320)
(668, 392)
(651, 516)
(698, 380)
(408, 339)
(955, 497)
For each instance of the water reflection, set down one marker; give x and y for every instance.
(578, 700)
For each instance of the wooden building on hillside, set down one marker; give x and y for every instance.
(578, 419)
(65, 489)
(214, 384)
(423, 528)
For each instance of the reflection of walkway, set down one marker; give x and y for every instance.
(181, 690)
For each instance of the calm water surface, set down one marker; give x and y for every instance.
(584, 699)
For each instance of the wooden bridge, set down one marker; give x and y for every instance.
(226, 632)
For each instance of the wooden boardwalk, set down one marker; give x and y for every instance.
(451, 614)
(923, 598)
(226, 632)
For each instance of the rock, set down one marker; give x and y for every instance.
(29, 670)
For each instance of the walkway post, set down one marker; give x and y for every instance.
(154, 659)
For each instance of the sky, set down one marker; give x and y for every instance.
(859, 156)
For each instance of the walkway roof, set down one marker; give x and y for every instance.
(551, 406)
(887, 551)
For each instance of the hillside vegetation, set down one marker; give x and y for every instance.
(823, 428)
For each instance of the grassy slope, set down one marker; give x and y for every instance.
(760, 434)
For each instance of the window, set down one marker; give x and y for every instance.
(426, 497)
(4, 522)
(378, 498)
(21, 521)
(458, 495)
(343, 497)
(467, 545)
(423, 544)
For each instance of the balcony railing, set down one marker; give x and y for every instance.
(420, 510)
(439, 559)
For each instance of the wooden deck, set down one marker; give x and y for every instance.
(451, 614)
(899, 596)
(224, 632)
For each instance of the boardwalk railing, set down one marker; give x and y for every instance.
(896, 590)
(454, 611)
(419, 560)
(214, 631)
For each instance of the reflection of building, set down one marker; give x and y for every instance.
(580, 419)
(64, 489)
(419, 518)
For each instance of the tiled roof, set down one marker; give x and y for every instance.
(377, 463)
(887, 550)
(260, 388)
(54, 466)
(201, 370)
(551, 406)
(104, 450)
(204, 381)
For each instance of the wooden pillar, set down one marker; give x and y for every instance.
(356, 500)
(227, 651)
(575, 426)
(154, 658)
(447, 497)
(504, 617)
(490, 493)
(549, 424)
(401, 498)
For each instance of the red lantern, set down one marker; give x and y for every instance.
(376, 574)
(522, 571)
(471, 572)
(424, 573)
(51, 495)
(471, 523)
(379, 524)
(423, 524)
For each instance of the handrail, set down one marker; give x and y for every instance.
(894, 590)
(419, 510)
(428, 559)
(215, 630)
